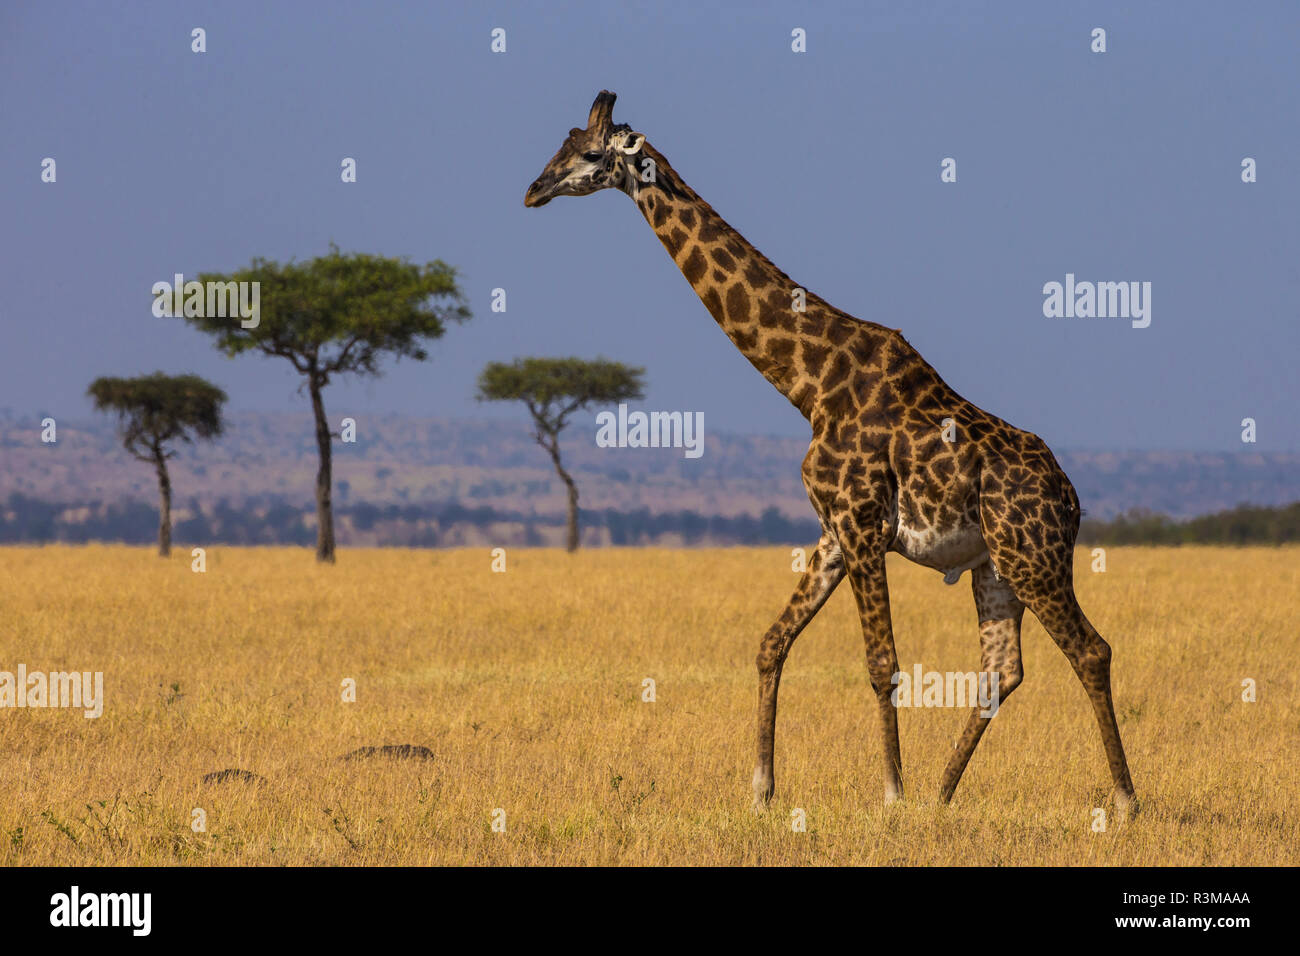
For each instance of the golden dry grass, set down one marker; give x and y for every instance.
(527, 686)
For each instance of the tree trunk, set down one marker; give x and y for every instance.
(324, 481)
(164, 504)
(573, 513)
(552, 445)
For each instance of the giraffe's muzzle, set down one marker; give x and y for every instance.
(539, 193)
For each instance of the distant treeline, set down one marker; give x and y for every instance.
(1244, 524)
(31, 520)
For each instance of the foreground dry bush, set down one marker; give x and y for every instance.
(527, 687)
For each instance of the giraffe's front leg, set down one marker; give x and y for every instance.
(863, 535)
(825, 570)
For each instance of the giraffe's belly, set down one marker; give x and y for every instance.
(951, 551)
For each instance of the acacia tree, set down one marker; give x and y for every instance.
(334, 315)
(553, 389)
(157, 409)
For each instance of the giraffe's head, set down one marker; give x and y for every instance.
(602, 156)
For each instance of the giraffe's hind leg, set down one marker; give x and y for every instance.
(1000, 613)
(1030, 519)
(1089, 655)
(824, 572)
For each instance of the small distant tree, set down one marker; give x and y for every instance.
(553, 389)
(154, 411)
(334, 315)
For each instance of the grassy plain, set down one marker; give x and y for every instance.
(527, 686)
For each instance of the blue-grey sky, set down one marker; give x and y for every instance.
(1115, 166)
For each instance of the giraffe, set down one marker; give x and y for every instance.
(898, 461)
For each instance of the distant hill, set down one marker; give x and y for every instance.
(426, 468)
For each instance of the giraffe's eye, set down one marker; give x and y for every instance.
(592, 156)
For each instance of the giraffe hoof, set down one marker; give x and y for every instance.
(1126, 805)
(764, 788)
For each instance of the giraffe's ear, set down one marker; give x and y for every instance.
(631, 143)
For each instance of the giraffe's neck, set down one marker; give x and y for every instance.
(757, 305)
